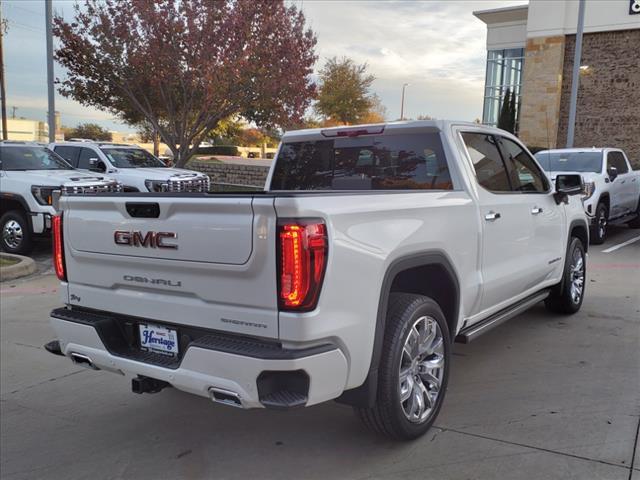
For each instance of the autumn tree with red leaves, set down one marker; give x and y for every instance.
(182, 66)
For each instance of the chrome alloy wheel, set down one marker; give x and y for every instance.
(576, 271)
(421, 369)
(12, 234)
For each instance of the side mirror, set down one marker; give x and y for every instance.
(97, 165)
(569, 184)
(613, 173)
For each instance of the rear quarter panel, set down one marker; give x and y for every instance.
(367, 233)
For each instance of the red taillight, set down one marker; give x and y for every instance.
(58, 248)
(302, 254)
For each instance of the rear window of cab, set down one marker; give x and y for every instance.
(380, 162)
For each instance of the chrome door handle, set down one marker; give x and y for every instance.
(536, 210)
(491, 216)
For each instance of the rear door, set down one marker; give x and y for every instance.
(203, 261)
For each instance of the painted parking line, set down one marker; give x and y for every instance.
(620, 245)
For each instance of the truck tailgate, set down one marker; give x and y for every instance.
(212, 265)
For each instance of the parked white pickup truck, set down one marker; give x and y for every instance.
(372, 249)
(612, 188)
(135, 168)
(30, 176)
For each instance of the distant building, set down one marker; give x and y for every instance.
(27, 130)
(530, 50)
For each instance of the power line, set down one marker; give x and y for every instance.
(22, 25)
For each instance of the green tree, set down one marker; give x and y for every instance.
(504, 120)
(512, 113)
(90, 131)
(183, 66)
(344, 91)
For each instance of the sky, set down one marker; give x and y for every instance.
(437, 47)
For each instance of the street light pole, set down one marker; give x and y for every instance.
(402, 101)
(3, 91)
(575, 77)
(51, 114)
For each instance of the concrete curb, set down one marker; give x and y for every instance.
(25, 266)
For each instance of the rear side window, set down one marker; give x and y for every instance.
(487, 162)
(382, 162)
(70, 154)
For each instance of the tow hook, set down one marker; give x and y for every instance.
(143, 384)
(54, 347)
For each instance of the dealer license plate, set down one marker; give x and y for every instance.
(154, 338)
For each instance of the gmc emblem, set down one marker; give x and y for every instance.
(148, 240)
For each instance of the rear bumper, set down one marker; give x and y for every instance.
(260, 376)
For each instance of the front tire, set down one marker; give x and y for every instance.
(16, 233)
(413, 371)
(567, 297)
(599, 230)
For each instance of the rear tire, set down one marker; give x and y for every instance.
(567, 297)
(599, 229)
(15, 232)
(635, 223)
(413, 371)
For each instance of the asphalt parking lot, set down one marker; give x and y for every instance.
(543, 396)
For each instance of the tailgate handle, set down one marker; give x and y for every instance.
(143, 210)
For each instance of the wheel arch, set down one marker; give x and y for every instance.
(401, 276)
(11, 201)
(580, 230)
(604, 198)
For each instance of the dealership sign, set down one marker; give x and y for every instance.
(634, 7)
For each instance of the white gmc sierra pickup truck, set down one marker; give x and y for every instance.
(612, 187)
(372, 249)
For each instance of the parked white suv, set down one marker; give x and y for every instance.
(372, 249)
(612, 188)
(135, 168)
(30, 174)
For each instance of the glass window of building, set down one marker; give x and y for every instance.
(504, 72)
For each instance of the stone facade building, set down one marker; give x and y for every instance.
(530, 53)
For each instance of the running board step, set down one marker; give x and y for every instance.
(477, 329)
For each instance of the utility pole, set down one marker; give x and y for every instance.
(3, 90)
(575, 77)
(51, 114)
(402, 101)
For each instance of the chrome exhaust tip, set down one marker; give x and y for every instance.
(82, 361)
(225, 397)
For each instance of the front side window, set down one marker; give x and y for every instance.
(616, 159)
(85, 155)
(31, 158)
(487, 162)
(383, 162)
(131, 158)
(527, 177)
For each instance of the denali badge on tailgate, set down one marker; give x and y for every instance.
(150, 239)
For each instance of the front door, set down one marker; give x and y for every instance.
(546, 250)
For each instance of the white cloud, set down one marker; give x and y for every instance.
(437, 47)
